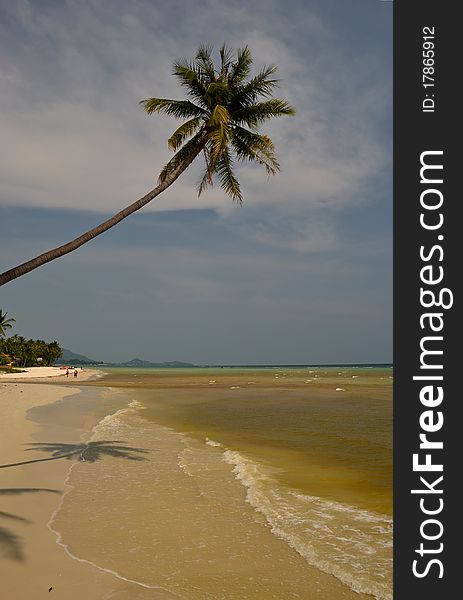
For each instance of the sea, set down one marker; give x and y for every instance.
(238, 483)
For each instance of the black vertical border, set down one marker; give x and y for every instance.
(414, 133)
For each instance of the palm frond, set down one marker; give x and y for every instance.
(255, 148)
(190, 149)
(219, 116)
(223, 116)
(260, 85)
(183, 132)
(242, 67)
(222, 166)
(220, 131)
(226, 57)
(181, 109)
(204, 61)
(255, 114)
(217, 92)
(228, 181)
(206, 177)
(191, 79)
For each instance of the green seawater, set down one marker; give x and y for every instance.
(251, 483)
(326, 432)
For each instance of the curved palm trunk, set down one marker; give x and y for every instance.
(55, 253)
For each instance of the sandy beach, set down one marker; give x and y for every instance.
(41, 374)
(190, 538)
(32, 565)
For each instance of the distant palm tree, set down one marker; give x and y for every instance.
(223, 118)
(5, 323)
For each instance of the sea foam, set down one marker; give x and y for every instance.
(352, 544)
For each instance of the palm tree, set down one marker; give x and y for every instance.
(224, 111)
(52, 353)
(5, 323)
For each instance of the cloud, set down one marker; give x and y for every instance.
(76, 137)
(182, 299)
(300, 272)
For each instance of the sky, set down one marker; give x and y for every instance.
(300, 274)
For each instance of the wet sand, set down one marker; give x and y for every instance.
(31, 562)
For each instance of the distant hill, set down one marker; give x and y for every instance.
(72, 358)
(138, 362)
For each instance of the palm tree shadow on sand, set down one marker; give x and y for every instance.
(10, 543)
(90, 452)
(86, 452)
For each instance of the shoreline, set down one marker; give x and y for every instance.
(32, 563)
(48, 562)
(44, 374)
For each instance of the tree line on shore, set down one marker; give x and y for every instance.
(17, 351)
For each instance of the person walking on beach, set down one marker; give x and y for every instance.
(75, 372)
(67, 372)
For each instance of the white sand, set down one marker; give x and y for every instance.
(31, 562)
(34, 372)
(45, 372)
